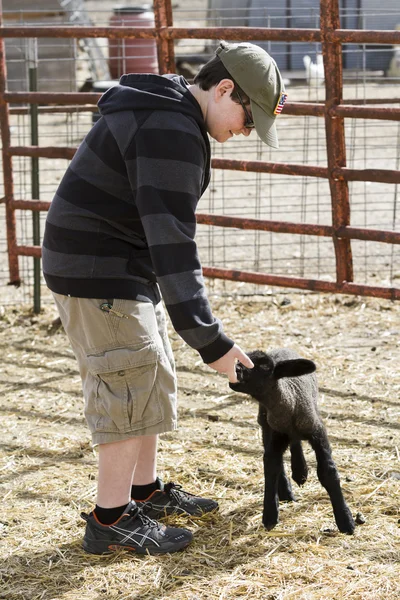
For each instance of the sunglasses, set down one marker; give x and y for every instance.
(249, 123)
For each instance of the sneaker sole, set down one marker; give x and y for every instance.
(100, 548)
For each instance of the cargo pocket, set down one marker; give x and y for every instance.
(126, 396)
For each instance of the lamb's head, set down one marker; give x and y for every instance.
(268, 369)
(252, 381)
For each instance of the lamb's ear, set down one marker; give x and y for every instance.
(294, 368)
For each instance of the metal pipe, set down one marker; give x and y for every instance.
(264, 225)
(335, 139)
(303, 284)
(364, 112)
(381, 175)
(357, 233)
(258, 166)
(374, 235)
(371, 101)
(371, 235)
(282, 34)
(35, 251)
(251, 166)
(7, 168)
(30, 205)
(78, 32)
(288, 19)
(291, 108)
(364, 36)
(165, 47)
(276, 280)
(312, 109)
(49, 110)
(42, 151)
(342, 110)
(335, 35)
(52, 97)
(32, 61)
(91, 98)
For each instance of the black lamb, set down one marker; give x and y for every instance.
(285, 386)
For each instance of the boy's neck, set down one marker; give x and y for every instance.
(201, 97)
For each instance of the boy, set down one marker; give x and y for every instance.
(119, 236)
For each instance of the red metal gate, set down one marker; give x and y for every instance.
(333, 110)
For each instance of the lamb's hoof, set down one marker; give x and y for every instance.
(269, 523)
(348, 528)
(346, 523)
(287, 497)
(300, 477)
(269, 526)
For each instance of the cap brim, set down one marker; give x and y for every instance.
(265, 125)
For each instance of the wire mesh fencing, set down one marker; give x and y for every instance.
(371, 74)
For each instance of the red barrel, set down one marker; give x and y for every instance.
(132, 55)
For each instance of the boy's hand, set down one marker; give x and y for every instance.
(227, 363)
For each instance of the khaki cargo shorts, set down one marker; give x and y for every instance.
(126, 365)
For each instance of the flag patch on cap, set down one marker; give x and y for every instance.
(280, 104)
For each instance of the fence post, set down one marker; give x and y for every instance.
(335, 138)
(165, 47)
(7, 166)
(32, 61)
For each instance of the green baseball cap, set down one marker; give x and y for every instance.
(257, 74)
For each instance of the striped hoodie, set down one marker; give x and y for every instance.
(122, 222)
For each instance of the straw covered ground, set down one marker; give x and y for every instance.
(48, 469)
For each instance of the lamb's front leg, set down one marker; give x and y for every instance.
(285, 492)
(329, 478)
(273, 469)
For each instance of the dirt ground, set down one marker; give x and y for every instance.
(48, 469)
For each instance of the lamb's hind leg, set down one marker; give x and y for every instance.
(329, 478)
(285, 492)
(298, 463)
(273, 468)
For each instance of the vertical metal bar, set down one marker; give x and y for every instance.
(344, 26)
(289, 45)
(7, 167)
(165, 48)
(335, 139)
(32, 72)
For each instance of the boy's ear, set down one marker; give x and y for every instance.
(225, 86)
(294, 368)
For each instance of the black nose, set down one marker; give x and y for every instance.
(239, 372)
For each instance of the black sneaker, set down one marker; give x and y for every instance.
(134, 531)
(171, 499)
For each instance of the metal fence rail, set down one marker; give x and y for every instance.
(334, 110)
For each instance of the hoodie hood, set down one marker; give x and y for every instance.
(152, 92)
(148, 92)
